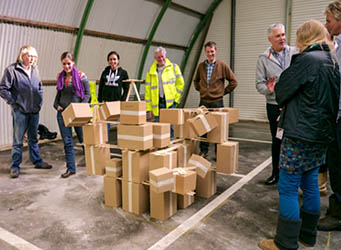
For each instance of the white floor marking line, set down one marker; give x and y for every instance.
(250, 140)
(15, 241)
(202, 213)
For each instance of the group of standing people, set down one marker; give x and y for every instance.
(302, 90)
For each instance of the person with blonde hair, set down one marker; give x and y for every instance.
(22, 89)
(308, 93)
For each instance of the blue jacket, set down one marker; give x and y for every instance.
(309, 93)
(19, 90)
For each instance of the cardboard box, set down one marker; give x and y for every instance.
(112, 191)
(206, 187)
(227, 157)
(95, 158)
(135, 197)
(95, 133)
(188, 131)
(161, 180)
(113, 167)
(161, 134)
(221, 133)
(185, 181)
(172, 116)
(162, 205)
(109, 111)
(202, 165)
(183, 154)
(194, 146)
(135, 137)
(162, 159)
(203, 123)
(233, 114)
(185, 200)
(133, 113)
(77, 114)
(135, 165)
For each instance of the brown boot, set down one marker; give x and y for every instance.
(267, 245)
(323, 178)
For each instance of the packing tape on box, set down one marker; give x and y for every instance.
(199, 165)
(234, 157)
(204, 122)
(92, 159)
(170, 154)
(130, 165)
(162, 183)
(224, 125)
(101, 136)
(130, 196)
(112, 169)
(177, 171)
(160, 137)
(131, 112)
(185, 155)
(170, 203)
(135, 138)
(103, 113)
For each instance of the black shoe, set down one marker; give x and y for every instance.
(329, 223)
(43, 166)
(272, 180)
(67, 174)
(14, 173)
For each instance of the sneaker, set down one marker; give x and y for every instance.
(14, 173)
(43, 166)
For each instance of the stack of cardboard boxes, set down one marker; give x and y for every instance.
(155, 172)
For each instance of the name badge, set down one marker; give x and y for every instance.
(279, 133)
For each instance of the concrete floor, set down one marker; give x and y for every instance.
(54, 213)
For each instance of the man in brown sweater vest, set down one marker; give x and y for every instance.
(210, 82)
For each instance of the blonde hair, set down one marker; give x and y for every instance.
(312, 32)
(28, 49)
(334, 8)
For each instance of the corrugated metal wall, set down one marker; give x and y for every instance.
(303, 11)
(220, 32)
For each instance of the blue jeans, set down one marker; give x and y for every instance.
(288, 193)
(22, 123)
(66, 133)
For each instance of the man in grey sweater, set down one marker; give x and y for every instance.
(270, 65)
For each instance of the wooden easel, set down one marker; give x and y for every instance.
(133, 85)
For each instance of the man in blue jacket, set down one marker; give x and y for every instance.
(21, 88)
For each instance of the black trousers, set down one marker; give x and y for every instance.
(204, 146)
(273, 113)
(334, 162)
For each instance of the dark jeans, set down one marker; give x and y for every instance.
(334, 162)
(162, 105)
(21, 123)
(273, 113)
(204, 146)
(66, 133)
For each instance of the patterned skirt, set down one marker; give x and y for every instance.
(298, 156)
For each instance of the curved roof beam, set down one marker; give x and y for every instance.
(81, 29)
(197, 31)
(150, 38)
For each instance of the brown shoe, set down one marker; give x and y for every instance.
(267, 245)
(67, 174)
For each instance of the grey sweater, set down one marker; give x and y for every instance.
(268, 66)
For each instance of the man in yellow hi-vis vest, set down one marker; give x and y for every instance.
(164, 84)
